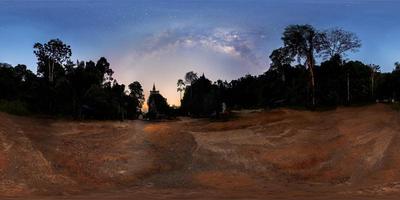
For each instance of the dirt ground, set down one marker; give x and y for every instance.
(348, 153)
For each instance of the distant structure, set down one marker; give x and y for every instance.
(152, 101)
(154, 91)
(157, 104)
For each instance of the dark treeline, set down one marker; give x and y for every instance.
(295, 80)
(63, 88)
(85, 90)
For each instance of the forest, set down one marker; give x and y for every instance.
(82, 90)
(88, 90)
(294, 80)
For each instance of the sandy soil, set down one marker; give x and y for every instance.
(348, 153)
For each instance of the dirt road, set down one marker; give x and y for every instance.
(348, 153)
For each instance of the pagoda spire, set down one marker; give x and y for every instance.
(154, 91)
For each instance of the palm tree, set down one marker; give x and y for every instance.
(181, 87)
(190, 77)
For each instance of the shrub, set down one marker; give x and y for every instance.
(14, 107)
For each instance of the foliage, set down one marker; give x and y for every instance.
(88, 90)
(336, 41)
(81, 90)
(303, 41)
(14, 107)
(332, 83)
(51, 57)
(202, 98)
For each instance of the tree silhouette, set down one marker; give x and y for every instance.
(280, 59)
(52, 54)
(87, 89)
(190, 77)
(203, 98)
(136, 97)
(303, 41)
(397, 66)
(337, 41)
(374, 70)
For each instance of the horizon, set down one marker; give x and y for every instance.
(158, 42)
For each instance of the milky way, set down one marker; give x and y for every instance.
(158, 41)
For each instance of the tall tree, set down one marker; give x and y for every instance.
(337, 41)
(302, 41)
(104, 68)
(136, 92)
(374, 70)
(52, 53)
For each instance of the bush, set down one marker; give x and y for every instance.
(396, 106)
(14, 107)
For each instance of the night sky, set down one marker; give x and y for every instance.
(159, 41)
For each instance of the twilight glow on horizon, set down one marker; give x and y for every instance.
(158, 41)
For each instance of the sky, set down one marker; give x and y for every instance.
(158, 41)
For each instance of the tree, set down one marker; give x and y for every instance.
(137, 96)
(180, 87)
(246, 91)
(103, 66)
(202, 98)
(302, 41)
(331, 87)
(395, 81)
(359, 82)
(397, 66)
(190, 77)
(337, 41)
(280, 59)
(7, 82)
(52, 53)
(117, 100)
(374, 70)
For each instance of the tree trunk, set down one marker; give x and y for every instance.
(372, 84)
(49, 64)
(348, 87)
(52, 71)
(310, 61)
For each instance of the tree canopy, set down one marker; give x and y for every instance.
(333, 82)
(62, 88)
(321, 77)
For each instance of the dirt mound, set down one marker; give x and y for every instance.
(345, 152)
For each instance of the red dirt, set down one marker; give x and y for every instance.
(348, 153)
